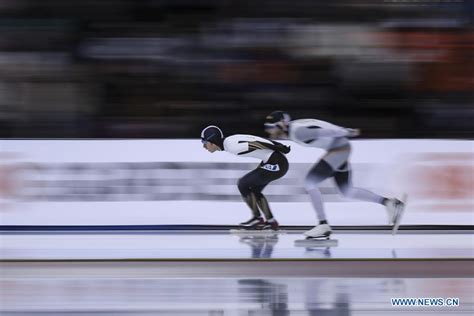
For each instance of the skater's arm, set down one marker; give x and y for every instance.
(276, 146)
(243, 144)
(309, 133)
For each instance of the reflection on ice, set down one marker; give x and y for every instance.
(148, 296)
(261, 246)
(226, 246)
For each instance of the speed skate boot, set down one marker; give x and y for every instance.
(271, 224)
(322, 231)
(253, 223)
(394, 210)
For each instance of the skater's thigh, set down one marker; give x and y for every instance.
(275, 168)
(265, 177)
(268, 176)
(318, 173)
(257, 189)
(250, 179)
(343, 176)
(261, 176)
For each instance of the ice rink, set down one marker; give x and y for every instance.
(94, 295)
(224, 245)
(217, 273)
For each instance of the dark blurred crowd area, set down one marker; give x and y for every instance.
(167, 68)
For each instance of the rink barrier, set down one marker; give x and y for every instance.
(94, 182)
(218, 228)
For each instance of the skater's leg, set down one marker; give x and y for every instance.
(249, 197)
(264, 206)
(268, 175)
(393, 206)
(321, 171)
(252, 184)
(251, 201)
(317, 201)
(344, 183)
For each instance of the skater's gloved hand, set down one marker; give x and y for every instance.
(353, 132)
(277, 146)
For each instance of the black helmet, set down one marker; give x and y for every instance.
(213, 134)
(277, 119)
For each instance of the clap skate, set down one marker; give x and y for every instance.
(259, 228)
(319, 236)
(395, 209)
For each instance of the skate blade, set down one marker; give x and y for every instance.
(316, 243)
(400, 215)
(248, 232)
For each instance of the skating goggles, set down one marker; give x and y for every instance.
(274, 125)
(270, 125)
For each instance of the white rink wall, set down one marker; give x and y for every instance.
(140, 182)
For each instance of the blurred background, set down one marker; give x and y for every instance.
(166, 68)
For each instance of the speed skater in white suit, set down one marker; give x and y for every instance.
(334, 164)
